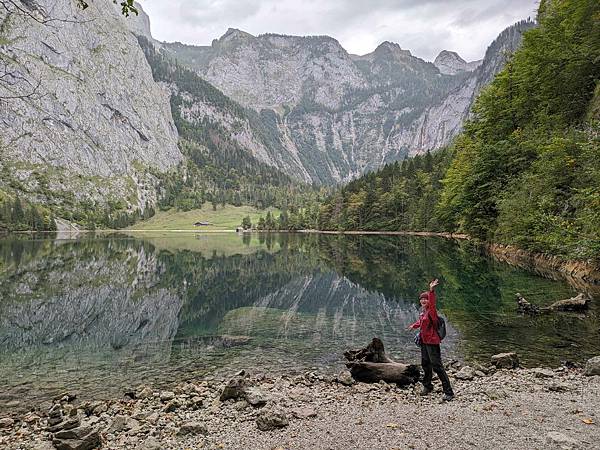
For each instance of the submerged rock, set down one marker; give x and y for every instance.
(505, 360)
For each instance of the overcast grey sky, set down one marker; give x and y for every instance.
(425, 27)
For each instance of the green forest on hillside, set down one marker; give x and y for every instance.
(217, 169)
(526, 169)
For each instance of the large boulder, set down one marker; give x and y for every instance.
(592, 367)
(505, 360)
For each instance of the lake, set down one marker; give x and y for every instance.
(100, 315)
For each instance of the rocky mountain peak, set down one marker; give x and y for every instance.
(392, 49)
(450, 63)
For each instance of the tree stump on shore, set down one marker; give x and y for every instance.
(579, 303)
(371, 365)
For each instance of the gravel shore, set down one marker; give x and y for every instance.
(508, 409)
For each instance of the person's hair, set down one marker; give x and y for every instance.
(424, 295)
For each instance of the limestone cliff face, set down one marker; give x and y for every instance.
(333, 116)
(90, 120)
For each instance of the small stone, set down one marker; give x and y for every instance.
(196, 402)
(542, 373)
(303, 413)
(88, 442)
(151, 443)
(256, 397)
(270, 419)
(166, 396)
(564, 441)
(54, 421)
(496, 394)
(345, 378)
(479, 373)
(65, 397)
(55, 411)
(44, 445)
(240, 405)
(171, 406)
(592, 366)
(146, 392)
(31, 418)
(99, 408)
(466, 373)
(118, 424)
(66, 425)
(192, 428)
(6, 422)
(559, 387)
(153, 418)
(505, 360)
(75, 433)
(235, 388)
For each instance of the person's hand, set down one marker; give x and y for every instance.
(433, 284)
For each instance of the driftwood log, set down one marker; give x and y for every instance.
(371, 365)
(579, 303)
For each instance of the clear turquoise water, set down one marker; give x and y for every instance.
(98, 315)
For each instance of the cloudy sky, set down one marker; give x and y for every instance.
(423, 26)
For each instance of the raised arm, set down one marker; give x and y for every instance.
(431, 304)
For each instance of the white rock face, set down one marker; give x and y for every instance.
(95, 112)
(450, 63)
(339, 115)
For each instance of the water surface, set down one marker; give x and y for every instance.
(100, 315)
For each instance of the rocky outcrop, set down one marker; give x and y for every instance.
(91, 120)
(450, 63)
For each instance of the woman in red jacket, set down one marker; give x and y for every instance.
(431, 358)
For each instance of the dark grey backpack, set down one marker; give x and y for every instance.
(441, 327)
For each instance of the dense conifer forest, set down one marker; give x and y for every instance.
(525, 170)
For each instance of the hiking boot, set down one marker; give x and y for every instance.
(448, 397)
(426, 391)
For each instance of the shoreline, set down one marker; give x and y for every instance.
(493, 408)
(578, 273)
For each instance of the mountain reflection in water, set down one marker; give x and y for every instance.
(101, 314)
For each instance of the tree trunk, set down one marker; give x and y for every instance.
(371, 365)
(578, 304)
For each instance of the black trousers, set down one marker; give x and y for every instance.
(431, 361)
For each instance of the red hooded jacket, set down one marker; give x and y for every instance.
(428, 321)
